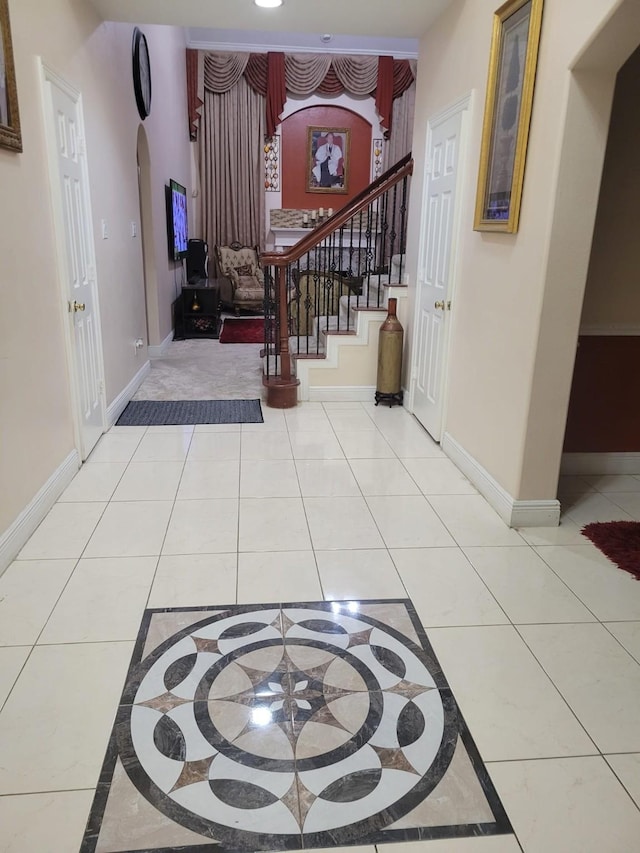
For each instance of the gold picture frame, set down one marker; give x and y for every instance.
(507, 114)
(10, 136)
(328, 172)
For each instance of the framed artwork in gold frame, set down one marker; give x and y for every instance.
(507, 114)
(328, 159)
(10, 136)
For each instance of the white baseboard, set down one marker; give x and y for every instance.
(342, 394)
(158, 352)
(118, 405)
(545, 513)
(600, 463)
(13, 539)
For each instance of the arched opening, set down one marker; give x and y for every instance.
(584, 141)
(148, 240)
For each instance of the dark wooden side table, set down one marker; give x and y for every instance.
(197, 311)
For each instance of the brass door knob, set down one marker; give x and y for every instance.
(440, 305)
(76, 306)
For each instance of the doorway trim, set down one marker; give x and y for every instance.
(49, 76)
(464, 107)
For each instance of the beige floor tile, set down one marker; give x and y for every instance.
(627, 633)
(359, 574)
(64, 532)
(510, 705)
(278, 577)
(573, 805)
(566, 533)
(269, 479)
(438, 477)
(589, 668)
(273, 524)
(53, 822)
(365, 445)
(383, 477)
(130, 529)
(613, 482)
(409, 522)
(265, 446)
(95, 482)
(193, 580)
(199, 428)
(55, 724)
(593, 507)
(628, 501)
(273, 421)
(149, 481)
(471, 521)
(445, 589)
(337, 523)
(203, 479)
(92, 607)
(28, 593)
(163, 447)
(315, 445)
(117, 446)
(214, 446)
(350, 419)
(202, 527)
(12, 659)
(627, 769)
(326, 478)
(525, 586)
(606, 590)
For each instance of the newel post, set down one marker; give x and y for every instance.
(282, 390)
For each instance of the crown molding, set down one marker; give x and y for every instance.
(248, 47)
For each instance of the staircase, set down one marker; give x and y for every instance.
(327, 296)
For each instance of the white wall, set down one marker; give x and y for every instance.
(36, 431)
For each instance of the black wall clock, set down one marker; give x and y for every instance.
(141, 73)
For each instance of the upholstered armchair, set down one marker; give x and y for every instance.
(243, 280)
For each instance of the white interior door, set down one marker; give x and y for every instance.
(435, 267)
(72, 212)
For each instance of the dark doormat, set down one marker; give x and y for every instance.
(184, 412)
(619, 541)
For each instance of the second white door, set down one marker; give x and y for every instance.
(433, 296)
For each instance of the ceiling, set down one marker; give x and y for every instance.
(382, 18)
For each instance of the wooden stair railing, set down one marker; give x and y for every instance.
(372, 226)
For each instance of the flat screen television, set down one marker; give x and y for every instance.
(177, 226)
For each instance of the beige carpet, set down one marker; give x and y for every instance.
(204, 369)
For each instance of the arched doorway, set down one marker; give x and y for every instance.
(148, 240)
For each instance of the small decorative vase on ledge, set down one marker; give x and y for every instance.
(391, 336)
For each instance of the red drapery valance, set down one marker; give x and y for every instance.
(272, 75)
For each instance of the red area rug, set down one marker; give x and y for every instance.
(619, 541)
(242, 330)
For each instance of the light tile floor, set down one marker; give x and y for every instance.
(537, 633)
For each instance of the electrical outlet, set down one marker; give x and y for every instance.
(105, 230)
(134, 228)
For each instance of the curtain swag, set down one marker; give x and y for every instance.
(274, 74)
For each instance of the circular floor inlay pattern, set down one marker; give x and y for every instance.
(293, 722)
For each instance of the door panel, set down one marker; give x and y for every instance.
(434, 272)
(75, 234)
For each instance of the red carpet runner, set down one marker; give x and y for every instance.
(242, 330)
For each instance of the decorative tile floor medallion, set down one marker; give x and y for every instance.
(273, 727)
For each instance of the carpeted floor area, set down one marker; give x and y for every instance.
(204, 369)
